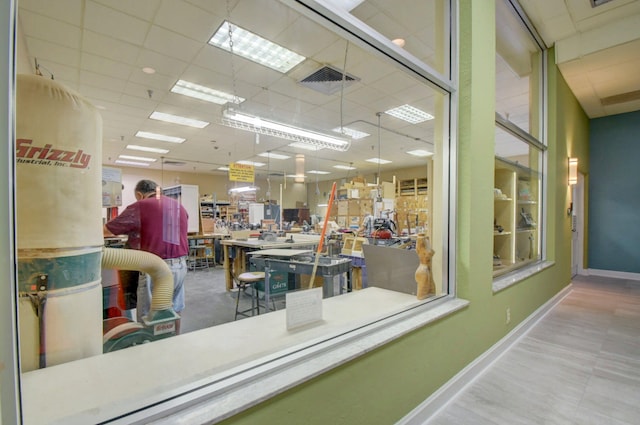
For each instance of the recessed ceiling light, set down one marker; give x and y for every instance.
(420, 152)
(255, 164)
(140, 164)
(273, 155)
(148, 70)
(205, 93)
(344, 167)
(306, 146)
(255, 48)
(354, 134)
(378, 160)
(177, 119)
(147, 149)
(161, 137)
(223, 168)
(398, 42)
(137, 158)
(410, 114)
(318, 172)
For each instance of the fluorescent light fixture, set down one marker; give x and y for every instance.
(318, 172)
(137, 158)
(255, 48)
(344, 167)
(297, 176)
(161, 137)
(205, 93)
(243, 189)
(273, 155)
(242, 121)
(255, 164)
(378, 160)
(223, 168)
(141, 164)
(323, 205)
(354, 134)
(177, 119)
(410, 114)
(301, 145)
(147, 149)
(347, 5)
(420, 152)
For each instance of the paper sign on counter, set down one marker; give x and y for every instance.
(304, 307)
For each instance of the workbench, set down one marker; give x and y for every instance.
(202, 246)
(298, 263)
(234, 251)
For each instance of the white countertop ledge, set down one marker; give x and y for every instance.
(211, 374)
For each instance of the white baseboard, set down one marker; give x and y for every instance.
(613, 274)
(448, 392)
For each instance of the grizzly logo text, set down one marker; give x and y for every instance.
(27, 154)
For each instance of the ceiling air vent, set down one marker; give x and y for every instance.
(176, 163)
(596, 3)
(621, 98)
(328, 80)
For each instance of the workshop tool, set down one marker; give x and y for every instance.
(324, 231)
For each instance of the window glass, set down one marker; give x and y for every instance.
(324, 111)
(517, 188)
(518, 165)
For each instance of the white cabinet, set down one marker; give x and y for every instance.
(189, 197)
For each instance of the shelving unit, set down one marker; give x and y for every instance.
(515, 206)
(413, 187)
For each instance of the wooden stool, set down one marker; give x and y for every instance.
(245, 280)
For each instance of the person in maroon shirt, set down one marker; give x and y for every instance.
(156, 224)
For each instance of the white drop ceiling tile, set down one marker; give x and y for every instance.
(188, 20)
(69, 11)
(112, 23)
(307, 38)
(101, 81)
(51, 30)
(107, 47)
(49, 54)
(172, 44)
(214, 7)
(371, 70)
(267, 20)
(270, 97)
(218, 60)
(146, 106)
(366, 94)
(257, 74)
(157, 82)
(102, 65)
(143, 9)
(165, 65)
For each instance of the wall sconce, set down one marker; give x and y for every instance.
(573, 171)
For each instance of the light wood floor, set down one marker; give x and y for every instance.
(580, 365)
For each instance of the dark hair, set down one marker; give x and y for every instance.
(146, 186)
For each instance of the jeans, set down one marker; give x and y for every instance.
(145, 288)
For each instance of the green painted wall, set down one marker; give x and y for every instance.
(384, 385)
